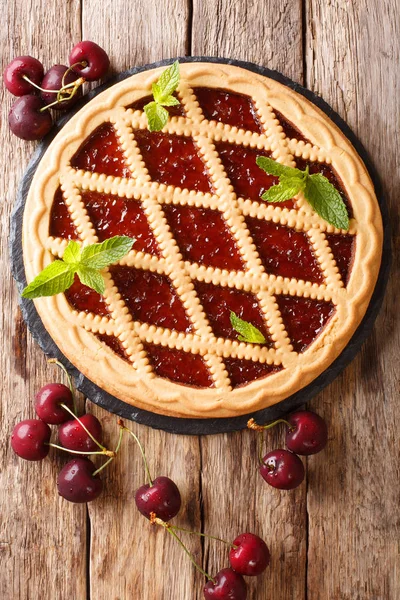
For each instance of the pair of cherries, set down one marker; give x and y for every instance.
(59, 88)
(30, 440)
(160, 501)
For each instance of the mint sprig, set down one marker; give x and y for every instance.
(247, 332)
(322, 196)
(163, 89)
(85, 262)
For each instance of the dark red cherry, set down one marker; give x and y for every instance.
(26, 121)
(16, 69)
(93, 60)
(48, 402)
(30, 439)
(72, 435)
(249, 555)
(76, 483)
(228, 586)
(162, 498)
(282, 469)
(308, 434)
(53, 80)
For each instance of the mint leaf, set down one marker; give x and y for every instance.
(55, 278)
(157, 93)
(72, 253)
(248, 333)
(168, 81)
(98, 256)
(272, 167)
(285, 190)
(157, 116)
(170, 101)
(326, 201)
(92, 278)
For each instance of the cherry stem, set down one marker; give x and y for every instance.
(110, 453)
(146, 466)
(83, 426)
(121, 432)
(170, 530)
(64, 87)
(251, 424)
(54, 361)
(211, 537)
(260, 446)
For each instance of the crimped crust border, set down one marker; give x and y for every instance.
(138, 386)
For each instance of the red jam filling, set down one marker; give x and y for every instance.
(174, 111)
(203, 236)
(343, 249)
(101, 153)
(328, 172)
(289, 129)
(247, 179)
(151, 298)
(284, 251)
(173, 160)
(303, 318)
(112, 216)
(61, 224)
(85, 299)
(220, 105)
(179, 366)
(243, 371)
(217, 303)
(114, 343)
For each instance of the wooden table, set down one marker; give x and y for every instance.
(335, 537)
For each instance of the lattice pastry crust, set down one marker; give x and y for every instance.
(134, 380)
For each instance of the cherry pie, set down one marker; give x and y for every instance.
(205, 243)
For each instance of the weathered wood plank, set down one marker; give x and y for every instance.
(130, 558)
(43, 538)
(353, 495)
(235, 498)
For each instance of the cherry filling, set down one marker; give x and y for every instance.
(114, 343)
(61, 224)
(247, 179)
(151, 298)
(174, 111)
(85, 299)
(284, 251)
(217, 303)
(203, 236)
(237, 110)
(112, 216)
(179, 366)
(101, 153)
(343, 249)
(289, 129)
(173, 160)
(243, 371)
(303, 318)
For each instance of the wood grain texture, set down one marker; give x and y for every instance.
(353, 54)
(43, 538)
(235, 497)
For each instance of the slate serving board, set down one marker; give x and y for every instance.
(183, 425)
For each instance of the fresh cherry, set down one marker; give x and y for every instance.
(162, 498)
(308, 433)
(89, 60)
(76, 483)
(73, 436)
(16, 69)
(27, 121)
(228, 586)
(48, 403)
(30, 439)
(282, 469)
(53, 80)
(249, 555)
